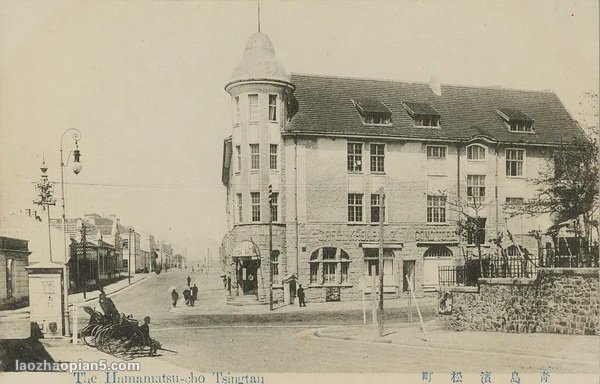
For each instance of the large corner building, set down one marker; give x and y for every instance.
(328, 145)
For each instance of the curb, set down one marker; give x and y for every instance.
(319, 333)
(115, 291)
(26, 311)
(442, 346)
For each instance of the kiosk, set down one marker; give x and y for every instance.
(45, 298)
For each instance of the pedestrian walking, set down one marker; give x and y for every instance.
(300, 294)
(194, 296)
(229, 284)
(189, 280)
(174, 297)
(224, 281)
(186, 296)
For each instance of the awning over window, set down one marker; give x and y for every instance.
(246, 249)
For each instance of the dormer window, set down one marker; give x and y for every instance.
(423, 114)
(515, 120)
(377, 119)
(373, 112)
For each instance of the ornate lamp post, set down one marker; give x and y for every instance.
(76, 134)
(47, 310)
(45, 199)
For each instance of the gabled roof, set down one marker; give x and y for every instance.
(325, 108)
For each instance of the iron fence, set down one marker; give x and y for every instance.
(509, 266)
(451, 275)
(569, 256)
(521, 265)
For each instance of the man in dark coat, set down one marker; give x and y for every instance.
(189, 280)
(186, 296)
(194, 295)
(109, 308)
(174, 297)
(300, 293)
(145, 329)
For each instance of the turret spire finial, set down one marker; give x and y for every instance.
(258, 15)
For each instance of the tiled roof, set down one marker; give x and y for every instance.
(325, 107)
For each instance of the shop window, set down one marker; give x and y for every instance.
(329, 266)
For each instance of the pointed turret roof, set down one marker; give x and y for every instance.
(259, 62)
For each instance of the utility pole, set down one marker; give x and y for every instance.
(270, 247)
(161, 255)
(380, 308)
(129, 262)
(84, 272)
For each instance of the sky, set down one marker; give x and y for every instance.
(143, 82)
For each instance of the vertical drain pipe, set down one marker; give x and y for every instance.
(296, 205)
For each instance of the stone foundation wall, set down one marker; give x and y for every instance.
(562, 300)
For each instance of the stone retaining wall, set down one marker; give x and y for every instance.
(562, 300)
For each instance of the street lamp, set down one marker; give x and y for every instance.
(76, 134)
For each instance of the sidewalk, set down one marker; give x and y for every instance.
(109, 289)
(78, 297)
(582, 349)
(212, 301)
(63, 350)
(15, 324)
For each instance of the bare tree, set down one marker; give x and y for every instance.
(470, 223)
(587, 114)
(567, 186)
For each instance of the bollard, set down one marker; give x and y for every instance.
(75, 323)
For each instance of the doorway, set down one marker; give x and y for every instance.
(248, 276)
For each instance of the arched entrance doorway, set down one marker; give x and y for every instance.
(246, 257)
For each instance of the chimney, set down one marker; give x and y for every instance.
(435, 85)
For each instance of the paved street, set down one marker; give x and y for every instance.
(215, 336)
